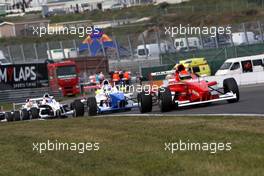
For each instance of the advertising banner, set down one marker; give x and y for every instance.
(20, 76)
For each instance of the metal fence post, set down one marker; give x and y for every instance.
(9, 54)
(172, 41)
(36, 52)
(158, 41)
(75, 46)
(245, 32)
(117, 49)
(201, 40)
(144, 43)
(61, 46)
(48, 49)
(103, 49)
(130, 46)
(236, 54)
(89, 50)
(231, 39)
(187, 42)
(216, 41)
(260, 31)
(22, 53)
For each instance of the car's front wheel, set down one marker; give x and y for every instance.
(78, 106)
(165, 100)
(34, 113)
(230, 85)
(144, 102)
(25, 114)
(92, 106)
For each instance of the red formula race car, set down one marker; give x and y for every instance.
(185, 89)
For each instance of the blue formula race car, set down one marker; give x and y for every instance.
(109, 99)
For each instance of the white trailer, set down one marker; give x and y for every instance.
(152, 50)
(3, 60)
(240, 38)
(181, 43)
(57, 54)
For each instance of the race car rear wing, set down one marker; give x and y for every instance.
(161, 73)
(15, 105)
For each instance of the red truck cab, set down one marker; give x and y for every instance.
(63, 76)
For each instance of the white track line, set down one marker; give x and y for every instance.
(181, 115)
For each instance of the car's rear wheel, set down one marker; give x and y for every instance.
(34, 113)
(144, 102)
(230, 85)
(9, 116)
(78, 106)
(165, 100)
(58, 113)
(24, 114)
(92, 106)
(16, 115)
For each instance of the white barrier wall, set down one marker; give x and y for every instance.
(241, 79)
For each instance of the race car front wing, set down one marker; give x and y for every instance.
(224, 97)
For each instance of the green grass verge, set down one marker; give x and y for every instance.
(6, 106)
(134, 146)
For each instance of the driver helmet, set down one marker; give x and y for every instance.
(106, 86)
(180, 68)
(46, 95)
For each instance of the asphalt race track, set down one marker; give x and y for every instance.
(251, 102)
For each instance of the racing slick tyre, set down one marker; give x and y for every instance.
(58, 113)
(230, 85)
(78, 106)
(24, 114)
(17, 115)
(144, 102)
(165, 100)
(34, 113)
(92, 106)
(9, 116)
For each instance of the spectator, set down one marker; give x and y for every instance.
(101, 77)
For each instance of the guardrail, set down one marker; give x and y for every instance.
(20, 95)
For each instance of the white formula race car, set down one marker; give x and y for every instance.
(47, 107)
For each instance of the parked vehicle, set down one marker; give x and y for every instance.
(58, 54)
(219, 40)
(63, 76)
(117, 6)
(181, 43)
(198, 66)
(153, 49)
(242, 38)
(242, 65)
(3, 60)
(60, 75)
